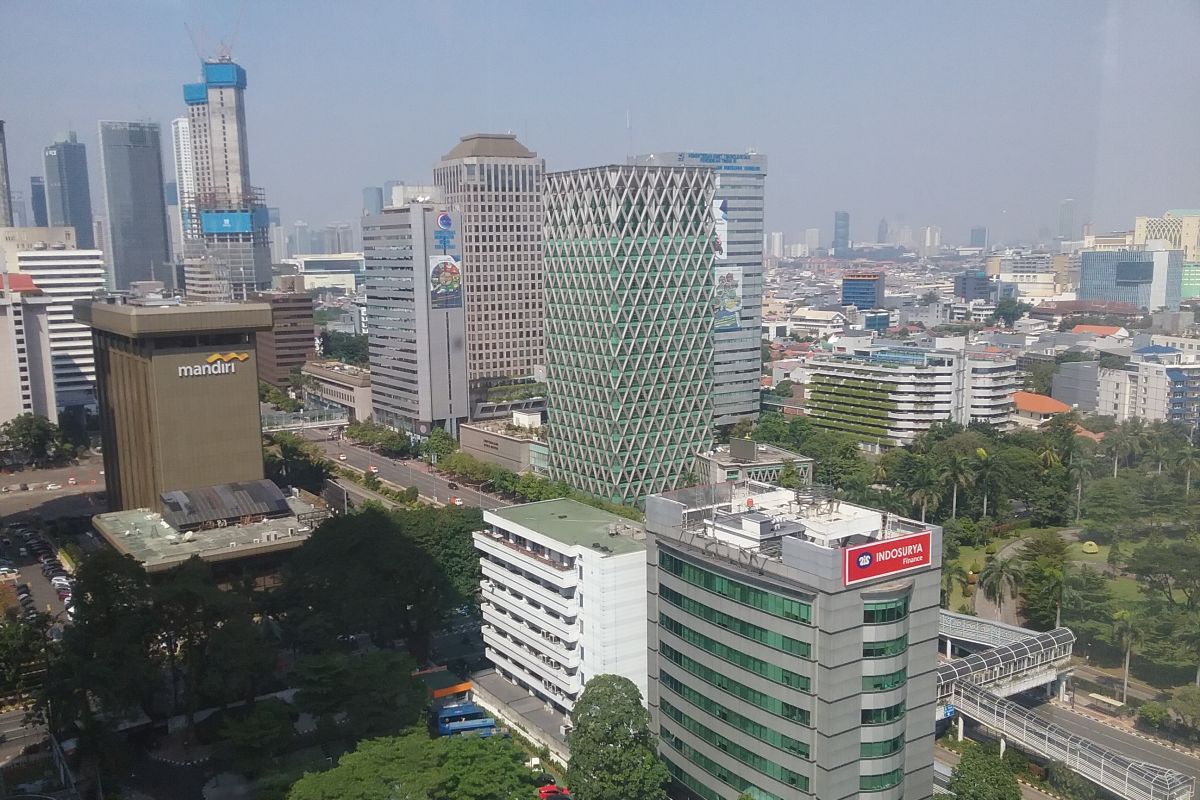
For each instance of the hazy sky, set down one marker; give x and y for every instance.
(948, 113)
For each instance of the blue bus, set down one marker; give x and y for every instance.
(464, 718)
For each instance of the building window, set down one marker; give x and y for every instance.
(732, 748)
(719, 772)
(887, 611)
(883, 683)
(876, 783)
(882, 716)
(772, 672)
(881, 749)
(742, 628)
(888, 647)
(776, 605)
(732, 718)
(731, 687)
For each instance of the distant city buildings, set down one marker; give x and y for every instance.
(974, 284)
(881, 236)
(37, 199)
(812, 240)
(841, 232)
(372, 201)
(979, 237)
(134, 204)
(775, 244)
(1178, 228)
(6, 212)
(1150, 279)
(1067, 227)
(863, 290)
(68, 191)
(629, 347)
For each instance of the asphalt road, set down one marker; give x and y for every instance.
(402, 473)
(1125, 743)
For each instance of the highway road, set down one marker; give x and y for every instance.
(1125, 743)
(402, 473)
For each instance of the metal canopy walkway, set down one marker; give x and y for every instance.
(275, 421)
(975, 630)
(1014, 667)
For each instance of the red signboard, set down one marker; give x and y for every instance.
(888, 557)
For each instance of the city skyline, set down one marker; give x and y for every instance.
(870, 144)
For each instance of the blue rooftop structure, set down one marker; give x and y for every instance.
(1155, 350)
(219, 74)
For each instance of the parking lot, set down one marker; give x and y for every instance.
(21, 546)
(50, 493)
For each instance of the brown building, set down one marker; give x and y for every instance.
(177, 387)
(291, 341)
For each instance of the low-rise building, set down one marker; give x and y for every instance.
(1032, 410)
(563, 597)
(338, 387)
(743, 459)
(1156, 386)
(518, 444)
(1076, 385)
(817, 324)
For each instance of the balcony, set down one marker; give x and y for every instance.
(531, 637)
(553, 572)
(563, 606)
(532, 663)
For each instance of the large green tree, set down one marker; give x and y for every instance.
(31, 437)
(612, 746)
(981, 775)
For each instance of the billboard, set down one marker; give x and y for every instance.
(445, 282)
(226, 222)
(727, 292)
(888, 557)
(720, 238)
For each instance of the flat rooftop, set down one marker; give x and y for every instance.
(764, 454)
(574, 524)
(147, 537)
(127, 319)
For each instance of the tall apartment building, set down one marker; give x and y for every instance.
(1159, 384)
(1150, 279)
(776, 246)
(885, 396)
(793, 644)
(134, 204)
(495, 182)
(841, 232)
(737, 275)
(178, 394)
(185, 171)
(416, 317)
(25, 361)
(68, 191)
(863, 290)
(1180, 228)
(629, 321)
(291, 340)
(563, 596)
(6, 211)
(227, 218)
(812, 241)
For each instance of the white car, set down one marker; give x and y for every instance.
(53, 486)
(7, 571)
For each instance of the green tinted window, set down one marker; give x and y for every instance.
(742, 628)
(887, 611)
(875, 783)
(732, 687)
(889, 647)
(776, 605)
(879, 716)
(770, 671)
(760, 764)
(723, 775)
(881, 683)
(881, 749)
(730, 717)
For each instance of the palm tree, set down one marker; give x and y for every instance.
(1000, 578)
(1127, 634)
(1055, 586)
(986, 472)
(957, 470)
(953, 575)
(1078, 470)
(1122, 443)
(1049, 456)
(1160, 452)
(1188, 460)
(1189, 636)
(927, 496)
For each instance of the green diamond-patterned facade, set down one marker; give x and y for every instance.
(629, 318)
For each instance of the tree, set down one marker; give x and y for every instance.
(1188, 460)
(1154, 715)
(1009, 310)
(612, 746)
(953, 575)
(1069, 783)
(31, 435)
(1121, 444)
(346, 347)
(1127, 634)
(439, 444)
(958, 471)
(981, 775)
(1169, 571)
(999, 579)
(250, 742)
(789, 476)
(987, 473)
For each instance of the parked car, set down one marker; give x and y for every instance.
(53, 486)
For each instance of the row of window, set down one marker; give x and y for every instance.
(882, 749)
(739, 690)
(716, 770)
(776, 605)
(886, 611)
(877, 783)
(882, 716)
(882, 683)
(725, 776)
(888, 647)
(748, 630)
(772, 672)
(744, 724)
(748, 757)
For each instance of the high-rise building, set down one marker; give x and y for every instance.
(1179, 228)
(863, 290)
(979, 237)
(174, 222)
(6, 215)
(372, 201)
(1066, 220)
(64, 274)
(134, 203)
(737, 276)
(496, 183)
(37, 199)
(229, 221)
(25, 360)
(68, 191)
(792, 643)
(775, 244)
(185, 172)
(881, 236)
(812, 240)
(178, 394)
(931, 241)
(300, 243)
(1150, 279)
(16, 201)
(974, 284)
(416, 317)
(841, 232)
(292, 339)
(629, 327)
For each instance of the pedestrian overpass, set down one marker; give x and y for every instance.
(1016, 660)
(276, 421)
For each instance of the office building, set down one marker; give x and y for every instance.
(401, 193)
(743, 459)
(737, 276)
(517, 444)
(228, 219)
(134, 204)
(174, 224)
(338, 387)
(775, 246)
(1179, 228)
(6, 213)
(563, 597)
(793, 643)
(25, 359)
(291, 340)
(629, 329)
(17, 203)
(178, 393)
(37, 199)
(885, 396)
(979, 237)
(974, 284)
(495, 182)
(812, 241)
(1067, 229)
(841, 232)
(185, 173)
(68, 191)
(416, 317)
(863, 290)
(881, 235)
(1150, 279)
(372, 201)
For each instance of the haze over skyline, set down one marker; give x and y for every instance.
(941, 113)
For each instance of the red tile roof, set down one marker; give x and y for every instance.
(17, 282)
(1034, 403)
(1098, 330)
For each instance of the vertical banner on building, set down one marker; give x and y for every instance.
(728, 296)
(445, 282)
(720, 238)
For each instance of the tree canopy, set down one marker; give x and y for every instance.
(612, 746)
(981, 775)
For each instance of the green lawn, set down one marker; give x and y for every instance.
(1075, 553)
(969, 556)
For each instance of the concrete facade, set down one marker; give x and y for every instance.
(341, 386)
(25, 359)
(291, 342)
(501, 443)
(134, 206)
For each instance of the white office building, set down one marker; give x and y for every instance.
(563, 597)
(26, 370)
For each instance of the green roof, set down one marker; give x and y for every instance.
(573, 523)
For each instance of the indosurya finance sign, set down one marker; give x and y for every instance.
(888, 557)
(215, 364)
